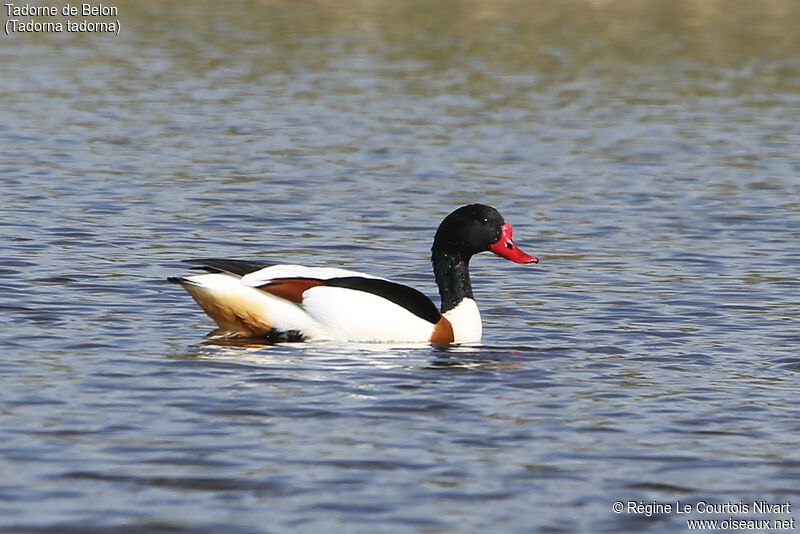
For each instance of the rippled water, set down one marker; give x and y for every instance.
(647, 155)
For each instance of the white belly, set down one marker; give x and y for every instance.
(359, 316)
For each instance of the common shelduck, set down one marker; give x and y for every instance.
(280, 303)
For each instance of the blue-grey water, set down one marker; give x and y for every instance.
(647, 153)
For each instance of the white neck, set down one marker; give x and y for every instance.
(466, 321)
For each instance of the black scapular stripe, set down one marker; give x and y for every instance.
(237, 267)
(407, 297)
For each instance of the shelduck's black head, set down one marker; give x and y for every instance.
(465, 232)
(477, 228)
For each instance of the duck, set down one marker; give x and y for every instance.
(291, 303)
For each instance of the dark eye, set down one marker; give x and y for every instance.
(485, 220)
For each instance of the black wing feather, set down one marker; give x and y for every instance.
(237, 267)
